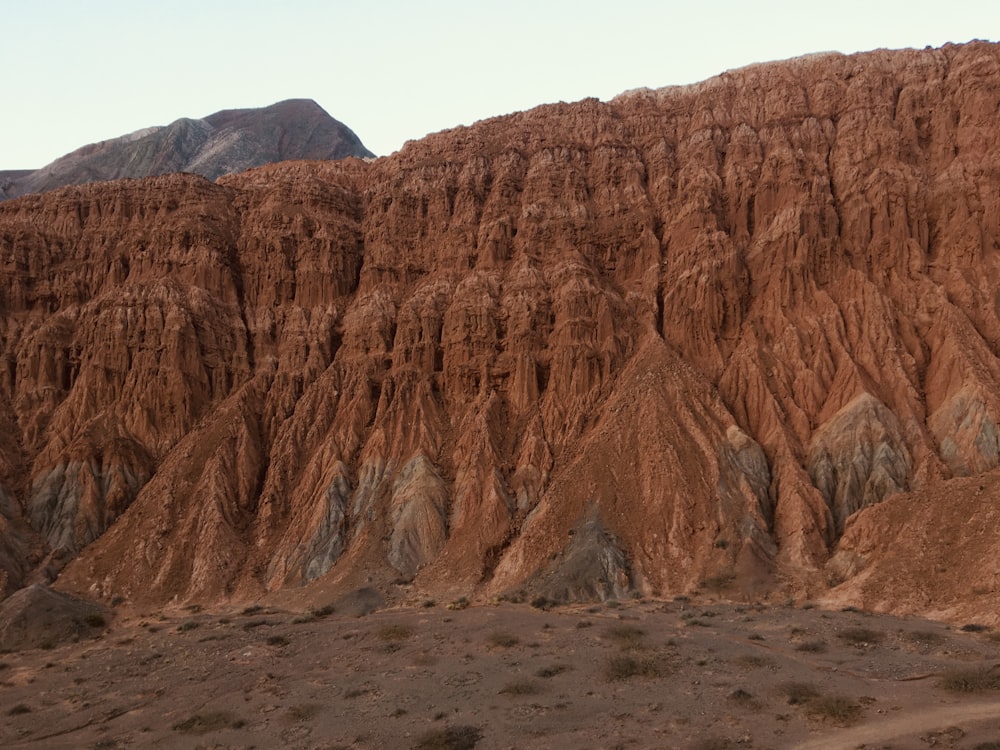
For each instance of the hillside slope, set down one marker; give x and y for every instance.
(677, 339)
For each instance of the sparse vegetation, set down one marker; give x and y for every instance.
(974, 680)
(521, 687)
(20, 708)
(753, 661)
(744, 699)
(625, 667)
(812, 647)
(860, 637)
(551, 671)
(209, 722)
(395, 632)
(973, 627)
(277, 640)
(627, 636)
(924, 637)
(503, 640)
(95, 621)
(184, 627)
(252, 610)
(460, 603)
(799, 693)
(255, 624)
(542, 602)
(449, 738)
(320, 612)
(834, 708)
(302, 712)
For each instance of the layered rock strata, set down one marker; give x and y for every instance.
(683, 338)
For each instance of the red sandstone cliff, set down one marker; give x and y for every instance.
(682, 336)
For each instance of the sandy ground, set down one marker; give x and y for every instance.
(705, 676)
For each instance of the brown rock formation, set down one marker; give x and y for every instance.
(698, 328)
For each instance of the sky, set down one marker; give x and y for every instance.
(74, 72)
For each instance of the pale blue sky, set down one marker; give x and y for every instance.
(78, 71)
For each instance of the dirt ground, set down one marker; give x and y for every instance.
(638, 674)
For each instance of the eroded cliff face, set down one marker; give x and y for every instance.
(682, 336)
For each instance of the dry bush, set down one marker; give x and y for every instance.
(974, 680)
(449, 738)
(503, 640)
(624, 667)
(521, 687)
(812, 647)
(395, 632)
(860, 636)
(799, 693)
(210, 722)
(834, 708)
(551, 671)
(303, 712)
(627, 636)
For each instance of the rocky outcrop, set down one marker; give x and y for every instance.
(38, 617)
(230, 141)
(712, 322)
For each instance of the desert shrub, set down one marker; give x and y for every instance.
(460, 603)
(325, 611)
(277, 640)
(744, 699)
(521, 687)
(974, 680)
(449, 738)
(503, 640)
(834, 708)
(395, 632)
(255, 624)
(799, 693)
(627, 636)
(860, 636)
(753, 661)
(209, 722)
(812, 647)
(973, 627)
(624, 667)
(302, 712)
(355, 692)
(551, 671)
(95, 621)
(543, 602)
(20, 708)
(253, 609)
(184, 627)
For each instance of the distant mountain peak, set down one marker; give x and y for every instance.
(228, 141)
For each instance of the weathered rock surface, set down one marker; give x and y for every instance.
(714, 322)
(229, 141)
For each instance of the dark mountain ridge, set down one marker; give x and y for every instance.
(223, 143)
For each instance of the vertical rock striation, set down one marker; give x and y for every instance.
(678, 338)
